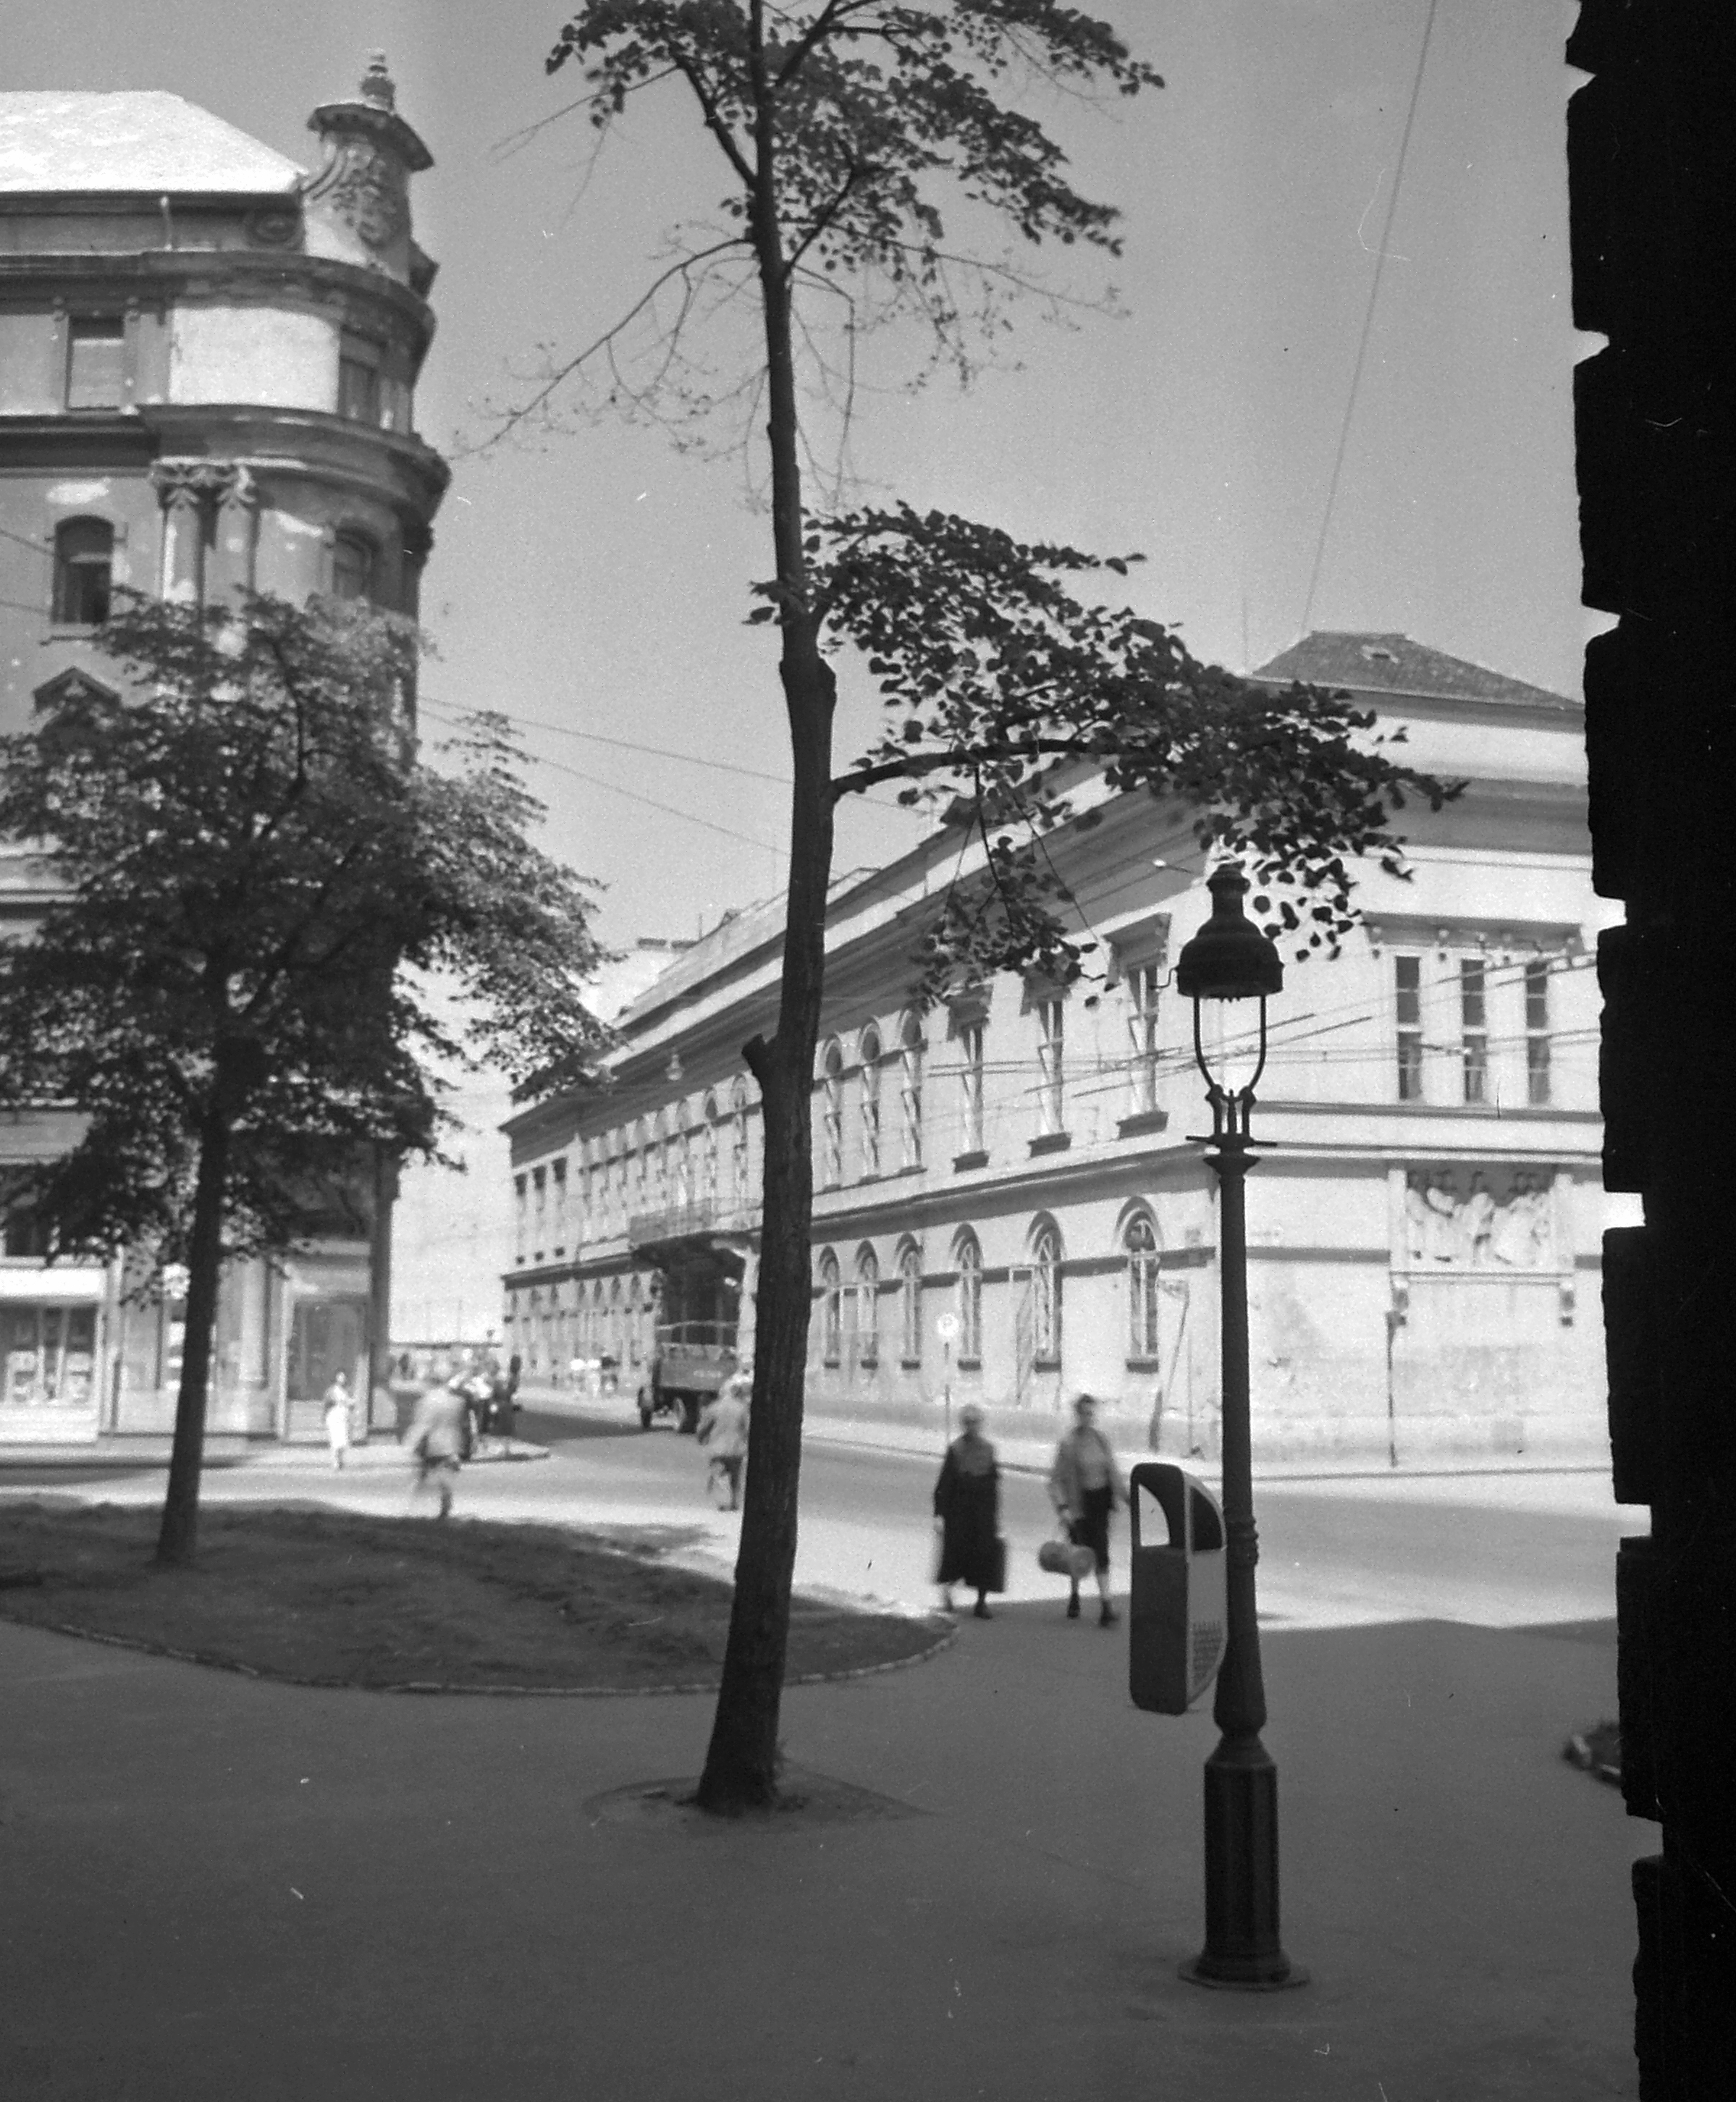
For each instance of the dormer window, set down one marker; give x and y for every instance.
(96, 362)
(83, 564)
(1377, 652)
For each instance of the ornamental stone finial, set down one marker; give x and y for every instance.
(378, 85)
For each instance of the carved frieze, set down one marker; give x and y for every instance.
(1497, 1219)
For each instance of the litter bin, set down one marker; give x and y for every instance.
(1175, 1620)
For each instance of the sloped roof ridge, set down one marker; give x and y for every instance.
(147, 140)
(1348, 657)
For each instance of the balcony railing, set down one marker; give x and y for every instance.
(677, 1222)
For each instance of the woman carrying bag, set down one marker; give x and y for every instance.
(967, 1508)
(1085, 1485)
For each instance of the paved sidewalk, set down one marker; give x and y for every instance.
(214, 1888)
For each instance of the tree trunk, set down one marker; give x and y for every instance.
(741, 1764)
(178, 1535)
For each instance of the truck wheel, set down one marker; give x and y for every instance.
(690, 1414)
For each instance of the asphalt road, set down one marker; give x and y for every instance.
(1486, 1550)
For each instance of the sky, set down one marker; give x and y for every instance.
(595, 580)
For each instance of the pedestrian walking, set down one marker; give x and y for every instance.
(967, 1509)
(337, 1403)
(1085, 1485)
(723, 1432)
(439, 1437)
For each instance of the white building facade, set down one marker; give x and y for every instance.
(1012, 1203)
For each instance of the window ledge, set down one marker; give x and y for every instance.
(1145, 1365)
(1045, 1364)
(977, 1159)
(1051, 1141)
(910, 1364)
(1141, 1122)
(969, 1364)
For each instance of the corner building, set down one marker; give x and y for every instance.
(208, 359)
(1008, 1205)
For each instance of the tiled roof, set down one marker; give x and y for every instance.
(1394, 664)
(140, 140)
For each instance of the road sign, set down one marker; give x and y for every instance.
(946, 1328)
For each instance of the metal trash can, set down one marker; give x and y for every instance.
(1175, 1619)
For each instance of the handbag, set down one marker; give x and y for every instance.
(1061, 1557)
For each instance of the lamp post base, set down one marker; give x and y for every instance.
(1242, 1952)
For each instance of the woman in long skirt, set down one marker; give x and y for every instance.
(337, 1419)
(967, 1505)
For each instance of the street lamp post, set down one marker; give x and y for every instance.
(1230, 959)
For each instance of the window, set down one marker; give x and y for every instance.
(354, 560)
(558, 1171)
(740, 1176)
(709, 1151)
(83, 563)
(96, 362)
(910, 1090)
(910, 1303)
(1473, 1027)
(358, 382)
(870, 1085)
(1046, 1334)
(540, 1186)
(1139, 1242)
(831, 1310)
(47, 1356)
(681, 1160)
(867, 1306)
(1143, 981)
(969, 1260)
(1537, 1033)
(520, 1211)
(970, 1087)
(1408, 981)
(1050, 1057)
(831, 1116)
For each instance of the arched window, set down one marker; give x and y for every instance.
(867, 1306)
(870, 1092)
(635, 1320)
(969, 1258)
(355, 567)
(832, 1115)
(681, 1160)
(741, 1192)
(709, 1151)
(83, 564)
(831, 1310)
(910, 1048)
(910, 1303)
(642, 1151)
(1046, 1293)
(1139, 1243)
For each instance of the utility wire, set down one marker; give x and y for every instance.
(1368, 322)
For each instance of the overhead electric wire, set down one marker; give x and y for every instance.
(1368, 323)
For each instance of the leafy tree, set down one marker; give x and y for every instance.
(253, 875)
(842, 125)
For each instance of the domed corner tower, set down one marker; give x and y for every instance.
(208, 360)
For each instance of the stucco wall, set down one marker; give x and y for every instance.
(278, 357)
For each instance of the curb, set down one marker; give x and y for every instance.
(943, 1638)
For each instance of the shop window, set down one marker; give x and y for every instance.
(47, 1356)
(96, 362)
(83, 567)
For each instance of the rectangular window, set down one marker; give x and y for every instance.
(1537, 1033)
(96, 362)
(521, 1201)
(1143, 981)
(358, 386)
(1408, 980)
(970, 1088)
(1473, 1027)
(559, 1172)
(1050, 1055)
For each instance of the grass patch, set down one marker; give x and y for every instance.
(337, 1599)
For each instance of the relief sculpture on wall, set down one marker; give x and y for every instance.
(1454, 1218)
